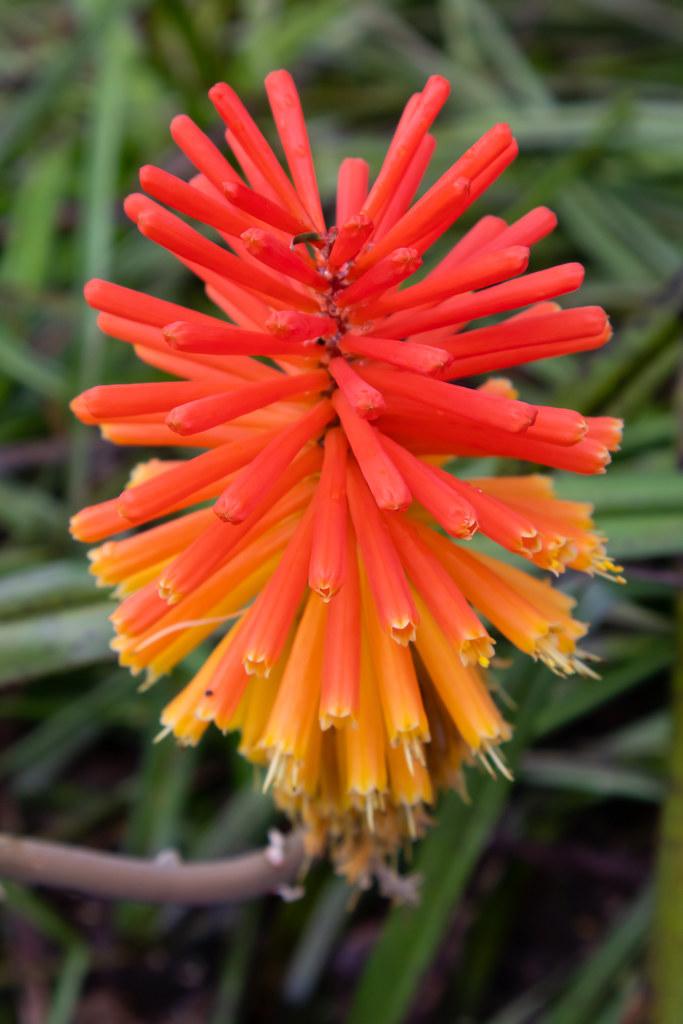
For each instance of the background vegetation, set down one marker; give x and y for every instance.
(536, 898)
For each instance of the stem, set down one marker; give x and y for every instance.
(111, 876)
(667, 928)
(666, 948)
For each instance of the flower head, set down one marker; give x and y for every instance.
(318, 533)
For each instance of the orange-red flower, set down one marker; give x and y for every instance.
(327, 546)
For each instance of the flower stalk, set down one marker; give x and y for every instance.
(165, 879)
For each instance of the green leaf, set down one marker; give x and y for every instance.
(240, 824)
(32, 224)
(44, 97)
(34, 371)
(51, 585)
(315, 944)
(155, 822)
(583, 213)
(234, 973)
(36, 646)
(70, 981)
(646, 737)
(38, 757)
(632, 348)
(579, 697)
(104, 141)
(593, 980)
(625, 491)
(499, 44)
(30, 513)
(40, 914)
(577, 773)
(644, 536)
(445, 861)
(50, 924)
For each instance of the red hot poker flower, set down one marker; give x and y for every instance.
(318, 534)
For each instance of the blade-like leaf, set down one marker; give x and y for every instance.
(57, 642)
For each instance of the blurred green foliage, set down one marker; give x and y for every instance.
(535, 896)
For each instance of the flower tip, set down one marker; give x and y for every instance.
(468, 527)
(501, 386)
(176, 422)
(218, 91)
(462, 185)
(277, 76)
(134, 207)
(519, 256)
(280, 322)
(174, 333)
(92, 291)
(179, 122)
(79, 407)
(256, 663)
(144, 219)
(407, 259)
(230, 511)
(616, 433)
(577, 272)
(404, 633)
(75, 527)
(147, 175)
(439, 84)
(325, 589)
(549, 216)
(254, 239)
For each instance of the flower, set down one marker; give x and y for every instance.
(319, 523)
